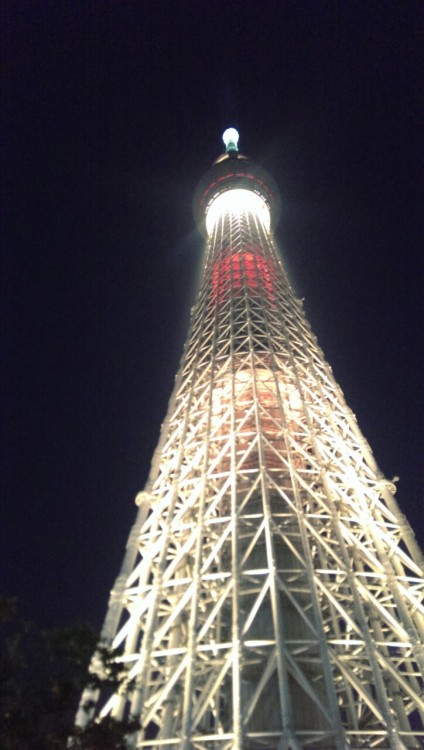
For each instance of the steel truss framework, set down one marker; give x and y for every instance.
(271, 595)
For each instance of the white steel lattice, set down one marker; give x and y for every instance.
(271, 595)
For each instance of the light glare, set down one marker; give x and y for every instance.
(231, 139)
(238, 202)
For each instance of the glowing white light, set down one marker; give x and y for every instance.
(231, 139)
(238, 201)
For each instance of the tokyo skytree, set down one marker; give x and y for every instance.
(271, 593)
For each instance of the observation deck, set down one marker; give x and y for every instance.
(230, 171)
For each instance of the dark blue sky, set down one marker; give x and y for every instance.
(113, 112)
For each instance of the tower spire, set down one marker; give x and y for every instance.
(271, 596)
(231, 139)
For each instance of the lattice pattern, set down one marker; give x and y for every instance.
(271, 596)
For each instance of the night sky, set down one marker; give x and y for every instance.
(114, 110)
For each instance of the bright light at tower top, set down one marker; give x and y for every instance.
(236, 203)
(231, 139)
(232, 171)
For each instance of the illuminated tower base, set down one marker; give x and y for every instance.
(271, 595)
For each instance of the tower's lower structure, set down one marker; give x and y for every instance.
(271, 592)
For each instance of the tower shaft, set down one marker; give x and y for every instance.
(271, 594)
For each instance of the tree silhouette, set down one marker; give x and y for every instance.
(43, 673)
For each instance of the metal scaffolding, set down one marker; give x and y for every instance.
(271, 594)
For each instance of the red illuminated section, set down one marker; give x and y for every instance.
(237, 272)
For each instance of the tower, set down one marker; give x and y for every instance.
(271, 592)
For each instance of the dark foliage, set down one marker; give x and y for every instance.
(108, 735)
(43, 674)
